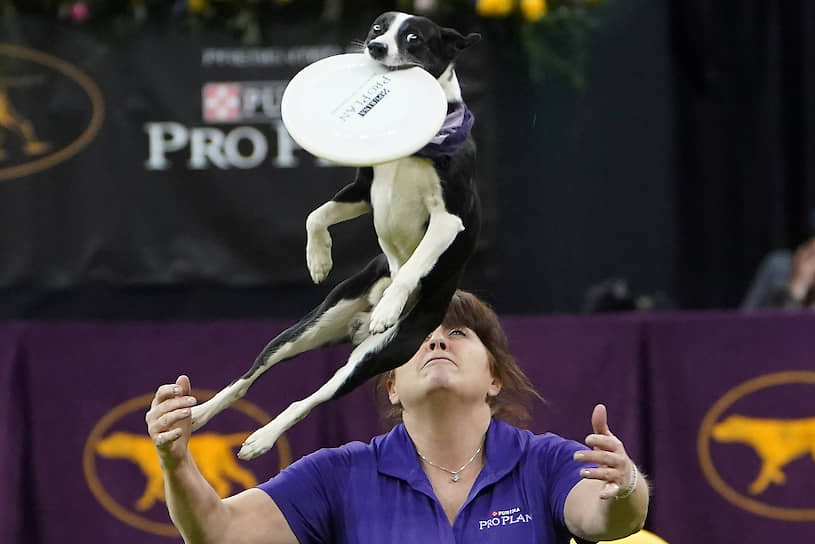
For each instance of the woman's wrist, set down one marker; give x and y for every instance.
(628, 490)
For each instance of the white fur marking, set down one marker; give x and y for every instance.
(449, 84)
(393, 58)
(414, 229)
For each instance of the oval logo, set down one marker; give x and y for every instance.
(122, 470)
(49, 111)
(756, 446)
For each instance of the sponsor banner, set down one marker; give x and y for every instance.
(732, 409)
(718, 410)
(162, 159)
(571, 361)
(92, 470)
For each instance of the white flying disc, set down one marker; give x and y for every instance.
(351, 110)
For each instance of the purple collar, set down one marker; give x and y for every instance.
(396, 456)
(452, 134)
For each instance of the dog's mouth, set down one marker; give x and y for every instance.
(394, 66)
(405, 66)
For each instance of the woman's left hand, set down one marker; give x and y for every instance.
(614, 467)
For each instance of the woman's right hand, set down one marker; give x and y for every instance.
(169, 423)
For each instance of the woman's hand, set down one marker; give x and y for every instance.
(615, 468)
(169, 423)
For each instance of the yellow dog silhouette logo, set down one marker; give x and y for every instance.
(115, 459)
(23, 150)
(212, 453)
(781, 444)
(777, 442)
(13, 122)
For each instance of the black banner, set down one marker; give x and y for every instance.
(162, 159)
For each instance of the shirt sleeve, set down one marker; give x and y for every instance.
(561, 472)
(307, 494)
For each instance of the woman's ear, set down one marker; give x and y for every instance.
(393, 396)
(494, 388)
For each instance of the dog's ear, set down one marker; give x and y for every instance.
(456, 42)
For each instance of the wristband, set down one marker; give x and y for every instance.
(626, 491)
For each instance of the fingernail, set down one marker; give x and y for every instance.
(176, 390)
(578, 456)
(585, 472)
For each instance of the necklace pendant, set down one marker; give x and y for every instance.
(455, 478)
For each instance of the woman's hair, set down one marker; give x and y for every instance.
(512, 403)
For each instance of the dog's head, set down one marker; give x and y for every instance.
(398, 40)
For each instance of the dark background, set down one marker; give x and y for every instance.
(679, 162)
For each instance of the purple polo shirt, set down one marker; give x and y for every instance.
(377, 493)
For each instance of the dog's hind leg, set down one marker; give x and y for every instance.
(264, 438)
(332, 322)
(376, 354)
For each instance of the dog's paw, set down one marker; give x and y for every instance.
(388, 310)
(259, 442)
(318, 255)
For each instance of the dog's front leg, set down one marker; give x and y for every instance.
(351, 201)
(442, 229)
(318, 245)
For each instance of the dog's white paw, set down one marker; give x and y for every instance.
(387, 311)
(259, 442)
(318, 255)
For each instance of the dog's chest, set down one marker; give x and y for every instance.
(403, 193)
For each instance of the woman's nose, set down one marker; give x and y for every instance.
(436, 342)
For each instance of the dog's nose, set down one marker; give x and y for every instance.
(377, 50)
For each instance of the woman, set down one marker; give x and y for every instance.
(453, 471)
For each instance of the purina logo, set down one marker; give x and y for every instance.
(245, 146)
(31, 83)
(222, 102)
(500, 518)
(122, 469)
(756, 445)
(242, 102)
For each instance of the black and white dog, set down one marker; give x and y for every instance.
(427, 215)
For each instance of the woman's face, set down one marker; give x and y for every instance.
(451, 359)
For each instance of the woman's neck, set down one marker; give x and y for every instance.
(448, 435)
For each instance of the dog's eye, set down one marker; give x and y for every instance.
(413, 39)
(376, 29)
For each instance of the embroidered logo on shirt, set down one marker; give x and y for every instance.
(499, 518)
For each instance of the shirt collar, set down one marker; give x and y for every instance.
(396, 456)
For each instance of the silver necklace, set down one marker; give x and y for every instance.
(455, 473)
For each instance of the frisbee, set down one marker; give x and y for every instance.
(351, 110)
